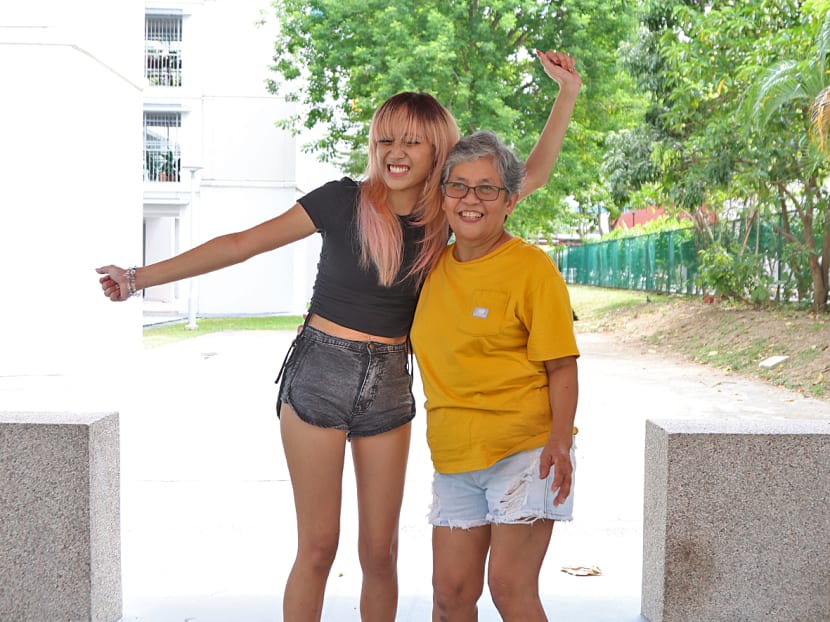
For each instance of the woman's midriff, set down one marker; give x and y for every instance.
(336, 330)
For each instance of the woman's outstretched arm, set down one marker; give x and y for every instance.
(220, 252)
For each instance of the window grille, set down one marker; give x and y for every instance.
(162, 152)
(163, 50)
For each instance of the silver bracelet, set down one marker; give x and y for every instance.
(131, 290)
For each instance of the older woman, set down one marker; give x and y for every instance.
(493, 333)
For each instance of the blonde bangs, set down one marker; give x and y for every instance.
(406, 115)
(395, 122)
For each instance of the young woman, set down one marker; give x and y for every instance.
(347, 376)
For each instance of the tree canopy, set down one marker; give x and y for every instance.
(731, 86)
(714, 109)
(339, 59)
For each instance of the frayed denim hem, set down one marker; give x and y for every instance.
(435, 510)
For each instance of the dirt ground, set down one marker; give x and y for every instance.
(735, 338)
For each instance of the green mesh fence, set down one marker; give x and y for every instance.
(668, 261)
(659, 262)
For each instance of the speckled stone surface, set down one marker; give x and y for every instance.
(736, 524)
(60, 547)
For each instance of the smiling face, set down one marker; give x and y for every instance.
(409, 138)
(478, 225)
(405, 156)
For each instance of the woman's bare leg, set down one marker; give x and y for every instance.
(458, 558)
(315, 461)
(516, 556)
(380, 469)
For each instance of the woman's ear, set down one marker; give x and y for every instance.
(511, 204)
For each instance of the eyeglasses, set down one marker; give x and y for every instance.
(457, 190)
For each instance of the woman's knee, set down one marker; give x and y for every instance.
(512, 597)
(502, 591)
(379, 558)
(318, 553)
(455, 595)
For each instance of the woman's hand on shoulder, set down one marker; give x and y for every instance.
(561, 67)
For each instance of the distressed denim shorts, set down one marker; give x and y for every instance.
(509, 492)
(361, 387)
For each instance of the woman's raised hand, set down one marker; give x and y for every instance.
(560, 67)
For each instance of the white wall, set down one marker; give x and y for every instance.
(249, 167)
(70, 187)
(71, 190)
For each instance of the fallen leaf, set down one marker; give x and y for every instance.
(582, 571)
(819, 379)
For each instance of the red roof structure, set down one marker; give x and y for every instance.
(628, 220)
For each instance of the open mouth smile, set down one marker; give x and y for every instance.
(469, 215)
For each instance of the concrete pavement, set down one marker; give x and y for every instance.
(208, 523)
(207, 514)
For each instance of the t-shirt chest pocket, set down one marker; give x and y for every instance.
(484, 313)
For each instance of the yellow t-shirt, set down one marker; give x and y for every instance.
(481, 334)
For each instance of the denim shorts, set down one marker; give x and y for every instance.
(509, 492)
(361, 387)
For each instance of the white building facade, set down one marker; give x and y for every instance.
(70, 187)
(93, 88)
(214, 161)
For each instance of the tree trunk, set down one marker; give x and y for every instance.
(825, 251)
(818, 272)
(799, 271)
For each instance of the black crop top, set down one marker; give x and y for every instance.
(344, 292)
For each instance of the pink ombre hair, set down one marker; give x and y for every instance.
(381, 237)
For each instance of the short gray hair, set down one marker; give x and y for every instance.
(486, 144)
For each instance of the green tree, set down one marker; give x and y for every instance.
(685, 57)
(786, 103)
(701, 63)
(339, 59)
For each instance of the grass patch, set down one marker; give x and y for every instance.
(599, 308)
(593, 302)
(722, 354)
(155, 336)
(737, 338)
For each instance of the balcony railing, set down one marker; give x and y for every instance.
(162, 167)
(163, 50)
(164, 69)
